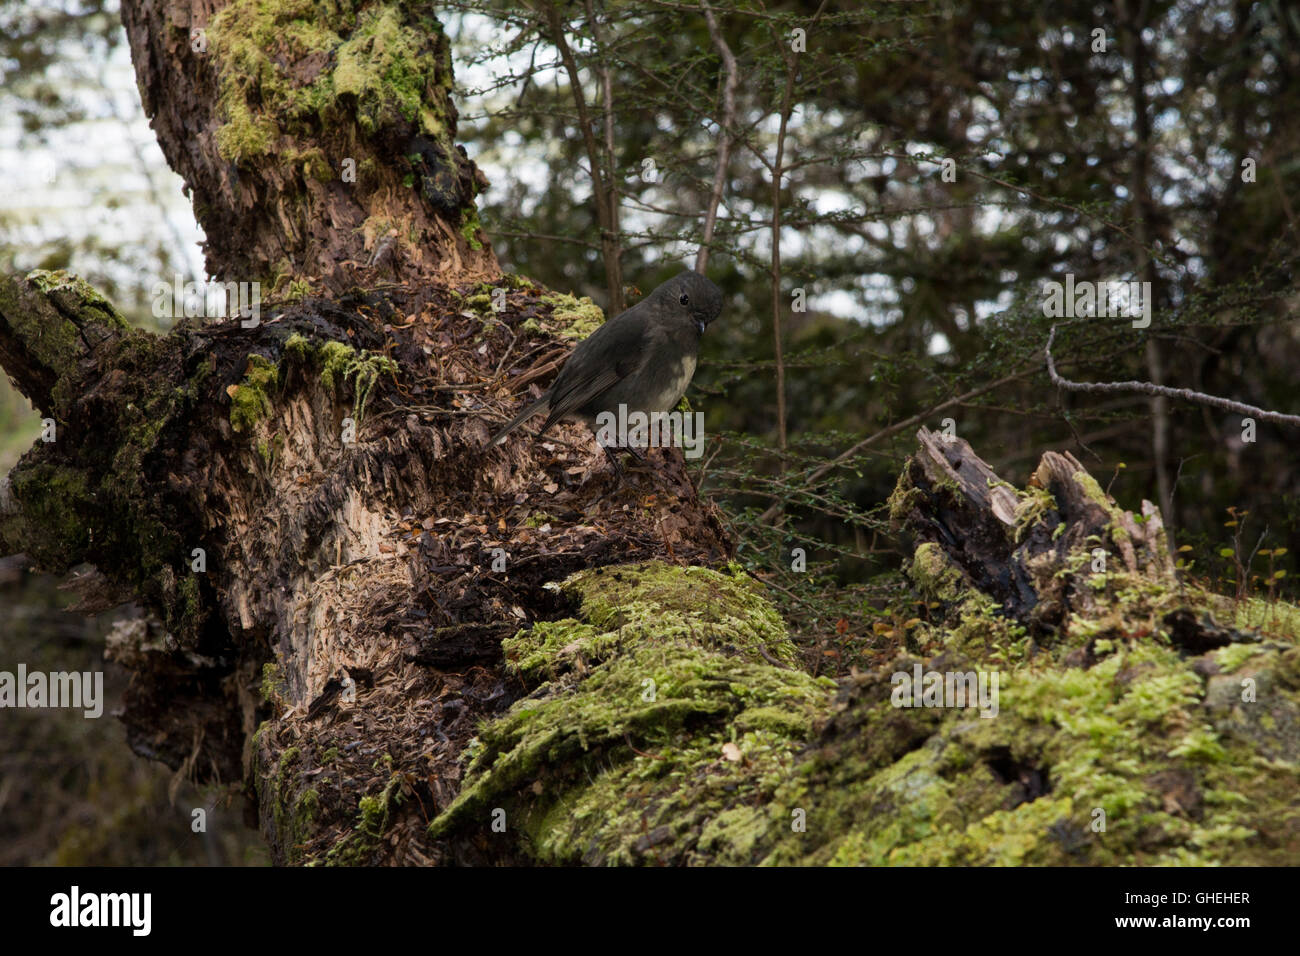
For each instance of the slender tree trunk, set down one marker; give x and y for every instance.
(1135, 22)
(604, 190)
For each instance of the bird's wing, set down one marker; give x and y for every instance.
(606, 360)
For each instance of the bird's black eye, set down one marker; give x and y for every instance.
(684, 299)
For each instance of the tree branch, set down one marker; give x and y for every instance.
(1147, 388)
(724, 147)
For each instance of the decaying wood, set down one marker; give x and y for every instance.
(210, 473)
(1014, 546)
(324, 559)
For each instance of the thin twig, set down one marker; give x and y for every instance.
(724, 147)
(1147, 388)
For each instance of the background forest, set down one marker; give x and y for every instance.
(804, 147)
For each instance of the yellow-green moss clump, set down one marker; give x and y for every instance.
(337, 363)
(381, 64)
(250, 401)
(937, 578)
(571, 317)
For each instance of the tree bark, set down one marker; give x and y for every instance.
(308, 134)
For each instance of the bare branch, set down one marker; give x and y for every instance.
(724, 147)
(1147, 388)
(600, 190)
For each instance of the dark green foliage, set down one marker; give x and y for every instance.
(921, 290)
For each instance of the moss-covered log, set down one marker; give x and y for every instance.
(665, 725)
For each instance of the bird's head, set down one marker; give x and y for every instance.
(689, 293)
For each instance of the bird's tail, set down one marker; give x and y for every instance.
(538, 406)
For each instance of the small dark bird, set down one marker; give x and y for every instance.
(642, 358)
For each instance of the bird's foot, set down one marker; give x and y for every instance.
(621, 480)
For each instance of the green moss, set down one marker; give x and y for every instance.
(251, 400)
(1230, 658)
(679, 713)
(1094, 493)
(273, 685)
(673, 703)
(189, 592)
(571, 317)
(1031, 506)
(1273, 617)
(719, 610)
(54, 338)
(298, 290)
(75, 292)
(58, 513)
(110, 507)
(313, 163)
(904, 498)
(292, 811)
(245, 135)
(365, 370)
(353, 849)
(550, 646)
(372, 809)
(299, 347)
(934, 575)
(386, 65)
(335, 359)
(470, 227)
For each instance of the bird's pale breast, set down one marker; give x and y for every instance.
(673, 385)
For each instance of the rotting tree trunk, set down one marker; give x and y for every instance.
(309, 506)
(315, 139)
(324, 560)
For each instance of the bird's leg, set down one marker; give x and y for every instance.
(612, 454)
(620, 479)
